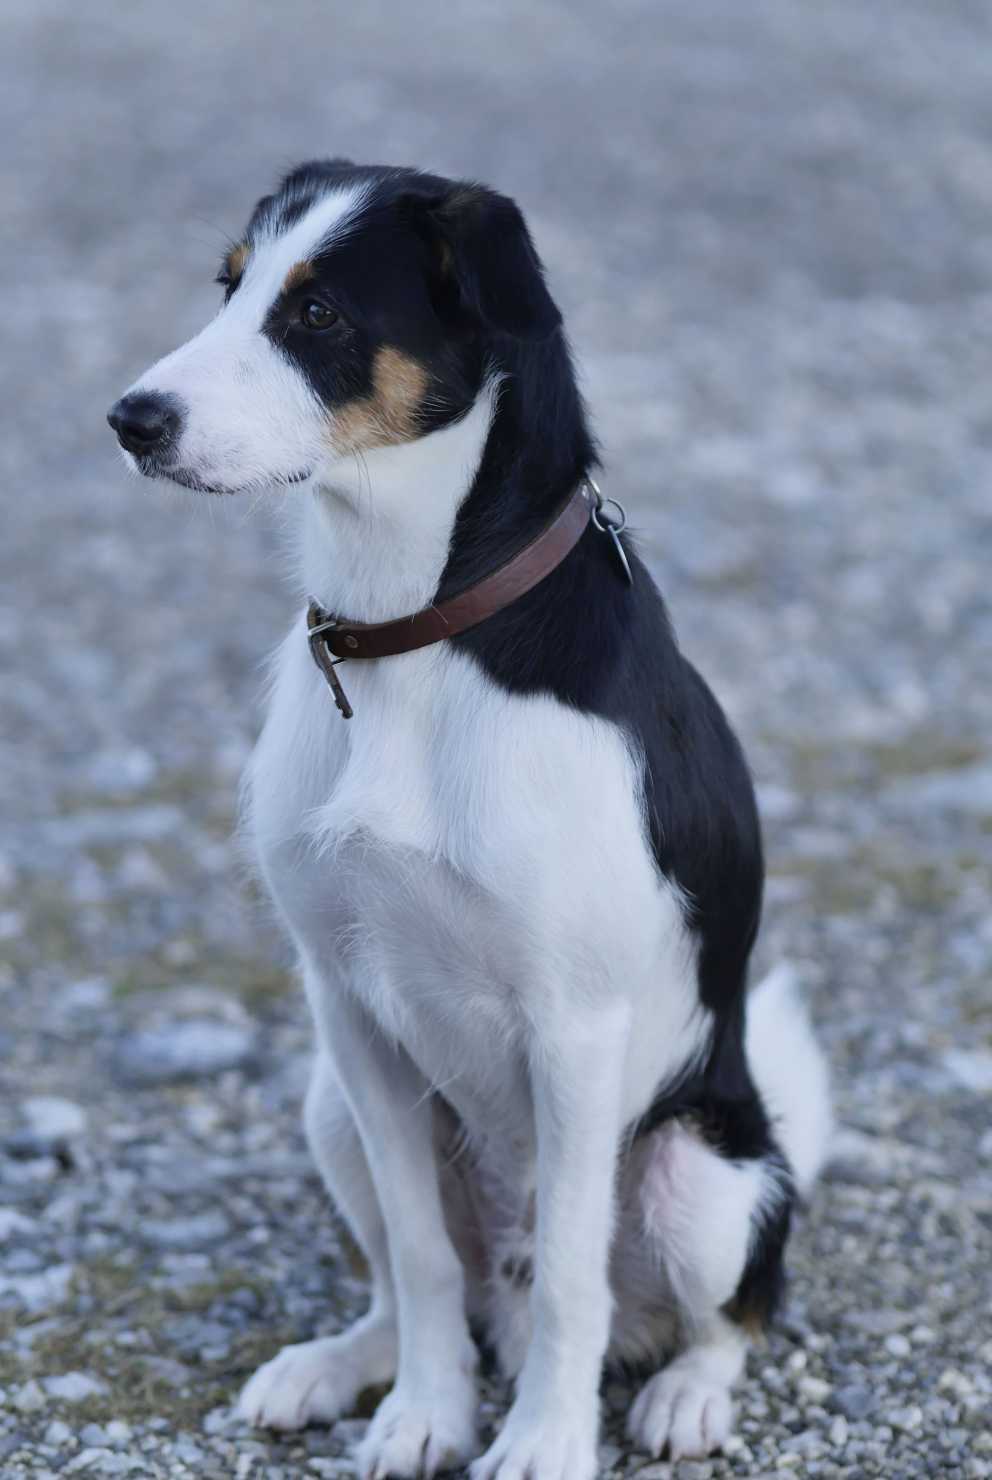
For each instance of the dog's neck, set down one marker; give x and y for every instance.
(400, 526)
(376, 540)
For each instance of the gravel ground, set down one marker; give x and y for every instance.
(769, 226)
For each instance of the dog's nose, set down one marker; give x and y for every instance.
(144, 422)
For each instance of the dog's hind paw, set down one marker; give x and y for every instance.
(683, 1410)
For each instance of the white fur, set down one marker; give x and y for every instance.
(251, 419)
(469, 882)
(702, 1210)
(791, 1072)
(374, 539)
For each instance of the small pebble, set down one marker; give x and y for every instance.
(52, 1119)
(28, 1398)
(814, 1388)
(839, 1432)
(953, 1381)
(185, 1233)
(909, 1419)
(191, 1049)
(854, 1401)
(73, 1387)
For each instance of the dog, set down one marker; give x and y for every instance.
(523, 878)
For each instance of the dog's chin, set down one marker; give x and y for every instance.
(188, 478)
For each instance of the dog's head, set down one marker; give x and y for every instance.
(363, 307)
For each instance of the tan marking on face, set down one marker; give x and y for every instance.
(389, 414)
(236, 261)
(298, 274)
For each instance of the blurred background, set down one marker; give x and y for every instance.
(770, 230)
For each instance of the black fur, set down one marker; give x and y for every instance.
(431, 268)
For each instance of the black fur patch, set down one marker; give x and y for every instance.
(762, 1285)
(518, 1270)
(427, 268)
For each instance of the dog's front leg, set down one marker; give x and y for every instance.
(427, 1422)
(576, 1069)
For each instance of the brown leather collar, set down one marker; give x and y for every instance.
(332, 639)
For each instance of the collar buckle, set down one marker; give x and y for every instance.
(611, 523)
(318, 625)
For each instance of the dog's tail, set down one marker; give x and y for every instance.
(790, 1071)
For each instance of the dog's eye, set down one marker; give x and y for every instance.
(314, 315)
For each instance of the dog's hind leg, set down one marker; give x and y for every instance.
(318, 1381)
(716, 1193)
(717, 1229)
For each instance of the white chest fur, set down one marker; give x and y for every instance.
(471, 861)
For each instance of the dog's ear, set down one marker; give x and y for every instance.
(485, 253)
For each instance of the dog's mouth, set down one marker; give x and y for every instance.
(188, 479)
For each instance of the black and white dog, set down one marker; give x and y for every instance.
(523, 880)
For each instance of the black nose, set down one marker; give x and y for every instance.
(145, 422)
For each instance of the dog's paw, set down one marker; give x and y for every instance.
(552, 1446)
(682, 1409)
(416, 1433)
(318, 1381)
